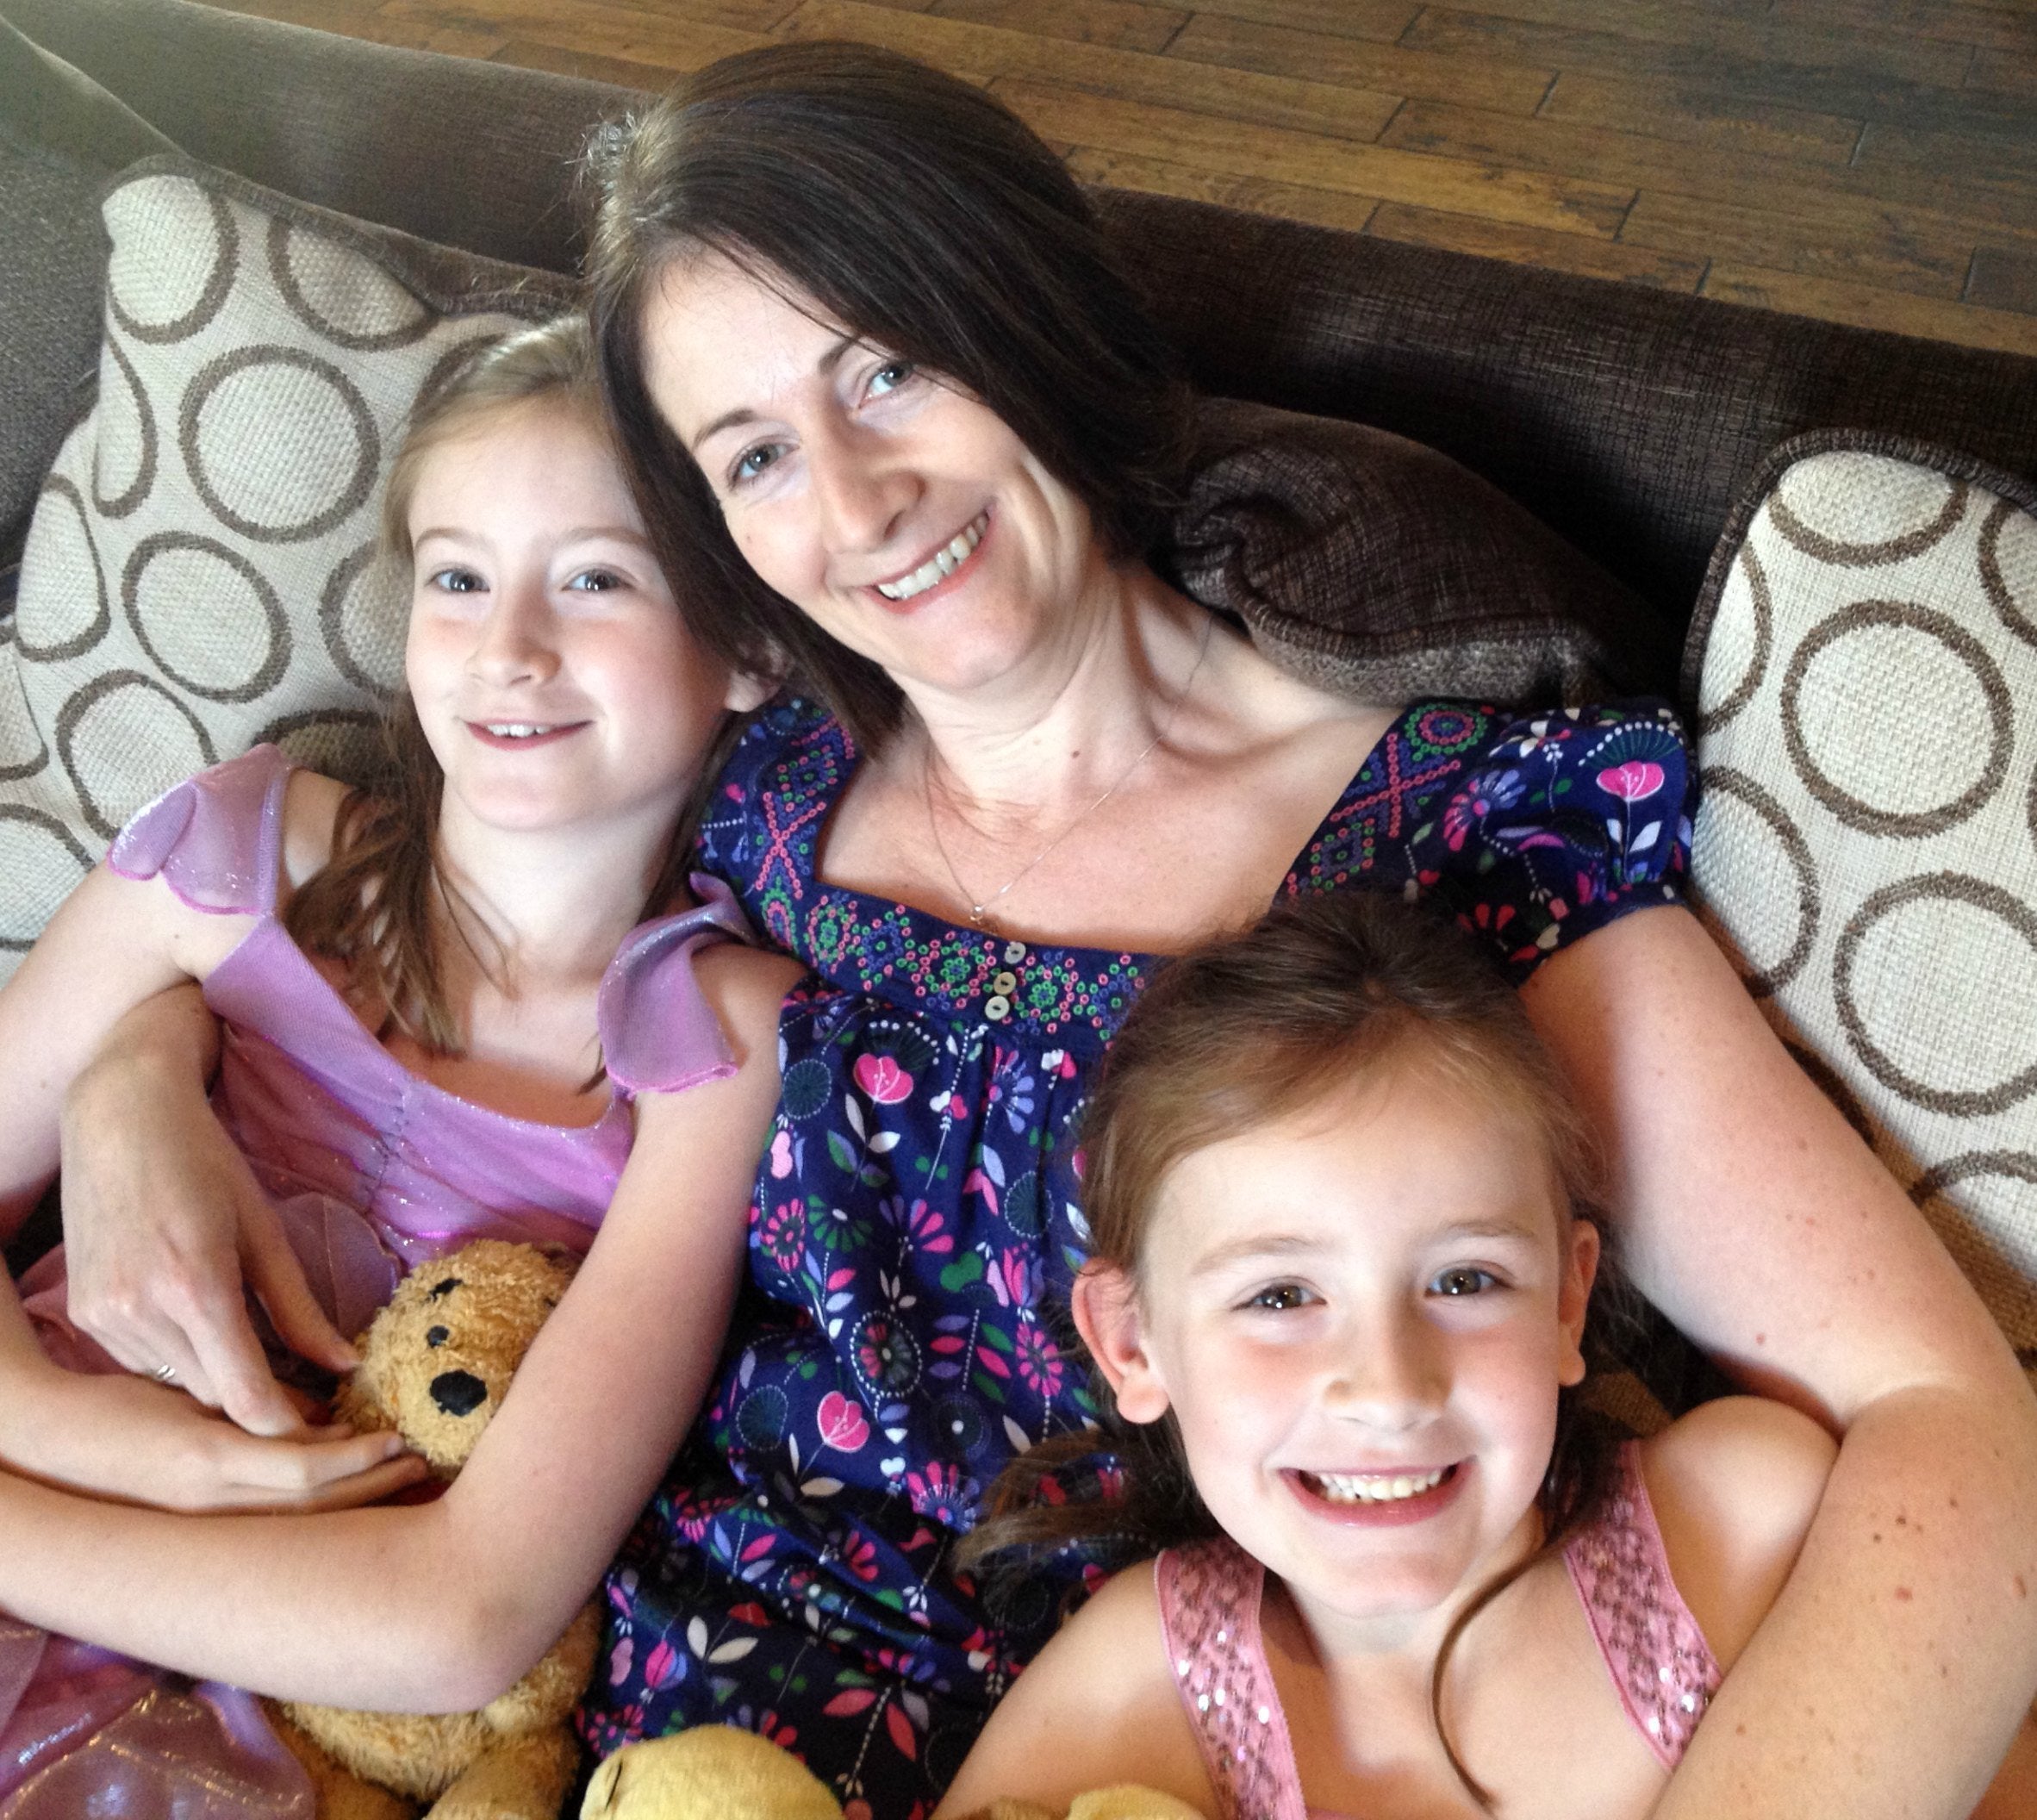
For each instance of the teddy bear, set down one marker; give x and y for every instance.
(434, 1364)
(721, 1773)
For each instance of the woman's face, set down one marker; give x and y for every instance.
(896, 511)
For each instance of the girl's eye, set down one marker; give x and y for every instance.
(596, 580)
(1463, 1280)
(456, 581)
(1281, 1297)
(890, 377)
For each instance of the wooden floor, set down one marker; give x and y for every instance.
(1871, 161)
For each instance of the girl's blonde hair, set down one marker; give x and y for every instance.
(381, 902)
(1323, 994)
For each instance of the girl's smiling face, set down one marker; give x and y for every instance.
(900, 513)
(1360, 1318)
(553, 675)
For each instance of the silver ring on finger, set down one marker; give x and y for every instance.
(164, 1374)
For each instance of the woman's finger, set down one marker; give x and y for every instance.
(277, 1276)
(306, 1467)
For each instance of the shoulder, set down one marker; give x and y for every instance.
(1097, 1706)
(311, 806)
(746, 987)
(1735, 1485)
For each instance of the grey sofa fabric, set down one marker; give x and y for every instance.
(1625, 419)
(61, 135)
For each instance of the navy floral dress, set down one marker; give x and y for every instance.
(916, 1223)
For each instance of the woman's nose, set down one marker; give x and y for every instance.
(861, 486)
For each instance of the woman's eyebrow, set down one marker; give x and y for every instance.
(742, 414)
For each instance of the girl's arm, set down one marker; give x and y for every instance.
(327, 1608)
(1899, 1658)
(1097, 1707)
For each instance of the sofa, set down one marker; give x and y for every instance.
(1556, 478)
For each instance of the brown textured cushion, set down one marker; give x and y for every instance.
(1383, 570)
(61, 135)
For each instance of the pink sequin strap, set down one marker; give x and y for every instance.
(1663, 1668)
(216, 839)
(1209, 1615)
(658, 1033)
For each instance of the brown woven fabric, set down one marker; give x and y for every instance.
(1379, 568)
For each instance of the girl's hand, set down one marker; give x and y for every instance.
(140, 1442)
(163, 1221)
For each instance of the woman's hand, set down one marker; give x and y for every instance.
(163, 1223)
(146, 1444)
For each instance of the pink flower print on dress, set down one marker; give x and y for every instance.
(1634, 781)
(843, 1423)
(882, 1079)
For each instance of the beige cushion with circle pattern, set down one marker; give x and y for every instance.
(1864, 660)
(202, 571)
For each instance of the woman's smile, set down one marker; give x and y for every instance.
(951, 559)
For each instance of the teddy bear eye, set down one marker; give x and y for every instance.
(445, 1288)
(436, 1336)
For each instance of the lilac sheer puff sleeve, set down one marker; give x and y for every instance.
(659, 1035)
(216, 840)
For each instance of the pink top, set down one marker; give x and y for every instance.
(373, 1170)
(1210, 1596)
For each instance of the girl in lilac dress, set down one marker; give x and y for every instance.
(1342, 1255)
(482, 1005)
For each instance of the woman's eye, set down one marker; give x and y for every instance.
(596, 580)
(1281, 1297)
(890, 377)
(752, 461)
(1463, 1280)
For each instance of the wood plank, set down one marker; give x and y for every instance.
(1947, 22)
(1535, 247)
(1931, 264)
(714, 42)
(2001, 73)
(1382, 20)
(1515, 87)
(1261, 196)
(1127, 25)
(1864, 307)
(1457, 186)
(1955, 157)
(983, 53)
(2004, 278)
(1693, 117)
(1663, 39)
(1852, 202)
(603, 25)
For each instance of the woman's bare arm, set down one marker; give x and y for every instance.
(325, 1607)
(1896, 1666)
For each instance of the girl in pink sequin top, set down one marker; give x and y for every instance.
(1343, 1258)
(480, 1003)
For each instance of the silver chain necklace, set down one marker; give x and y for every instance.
(980, 913)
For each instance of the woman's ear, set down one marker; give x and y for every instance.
(1581, 1267)
(1106, 1309)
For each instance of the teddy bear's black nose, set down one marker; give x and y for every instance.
(459, 1393)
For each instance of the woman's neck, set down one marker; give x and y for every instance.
(1044, 738)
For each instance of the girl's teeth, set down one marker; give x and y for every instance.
(516, 729)
(941, 564)
(1365, 1488)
